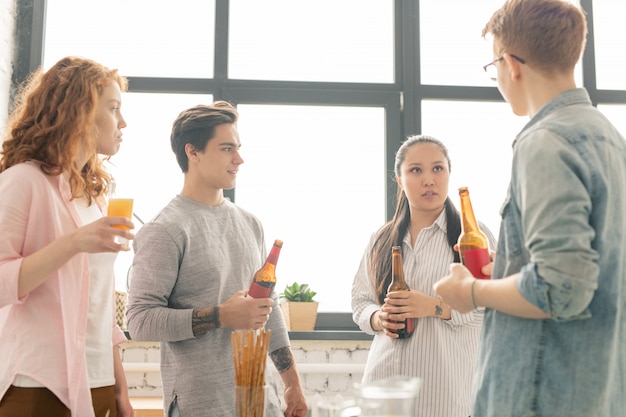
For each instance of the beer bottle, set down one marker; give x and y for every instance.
(399, 284)
(265, 278)
(473, 244)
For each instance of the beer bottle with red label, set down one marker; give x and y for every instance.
(473, 244)
(265, 278)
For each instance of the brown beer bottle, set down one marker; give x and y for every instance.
(399, 284)
(473, 244)
(265, 278)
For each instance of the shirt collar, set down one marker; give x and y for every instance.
(566, 98)
(441, 223)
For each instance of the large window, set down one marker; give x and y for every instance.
(610, 38)
(290, 40)
(479, 142)
(321, 192)
(327, 90)
(454, 53)
(173, 39)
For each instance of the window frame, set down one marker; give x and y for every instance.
(400, 99)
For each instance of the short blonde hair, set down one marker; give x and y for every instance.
(547, 34)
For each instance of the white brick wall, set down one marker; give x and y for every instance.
(339, 352)
(142, 383)
(308, 355)
(7, 29)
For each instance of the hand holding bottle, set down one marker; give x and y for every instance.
(399, 284)
(397, 304)
(415, 304)
(456, 289)
(241, 312)
(386, 324)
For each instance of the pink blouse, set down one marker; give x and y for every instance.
(42, 335)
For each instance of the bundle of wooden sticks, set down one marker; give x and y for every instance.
(249, 359)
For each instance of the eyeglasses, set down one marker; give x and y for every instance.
(492, 71)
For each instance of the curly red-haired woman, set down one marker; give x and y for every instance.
(58, 336)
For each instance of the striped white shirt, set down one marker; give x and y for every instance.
(440, 352)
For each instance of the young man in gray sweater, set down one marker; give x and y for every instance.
(192, 266)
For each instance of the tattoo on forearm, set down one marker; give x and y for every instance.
(205, 319)
(439, 308)
(282, 358)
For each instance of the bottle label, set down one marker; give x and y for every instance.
(260, 289)
(474, 260)
(409, 326)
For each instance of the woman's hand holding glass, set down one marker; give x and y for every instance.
(120, 212)
(99, 236)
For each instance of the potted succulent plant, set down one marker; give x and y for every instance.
(298, 306)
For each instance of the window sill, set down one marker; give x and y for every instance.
(329, 326)
(330, 335)
(319, 335)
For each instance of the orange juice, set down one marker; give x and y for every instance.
(121, 207)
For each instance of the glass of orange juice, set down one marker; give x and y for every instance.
(122, 207)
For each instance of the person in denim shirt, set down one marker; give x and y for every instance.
(554, 335)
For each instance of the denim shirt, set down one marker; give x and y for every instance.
(564, 231)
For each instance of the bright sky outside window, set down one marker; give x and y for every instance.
(312, 41)
(452, 49)
(141, 38)
(479, 136)
(315, 177)
(616, 114)
(610, 41)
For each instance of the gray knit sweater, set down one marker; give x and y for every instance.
(194, 256)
